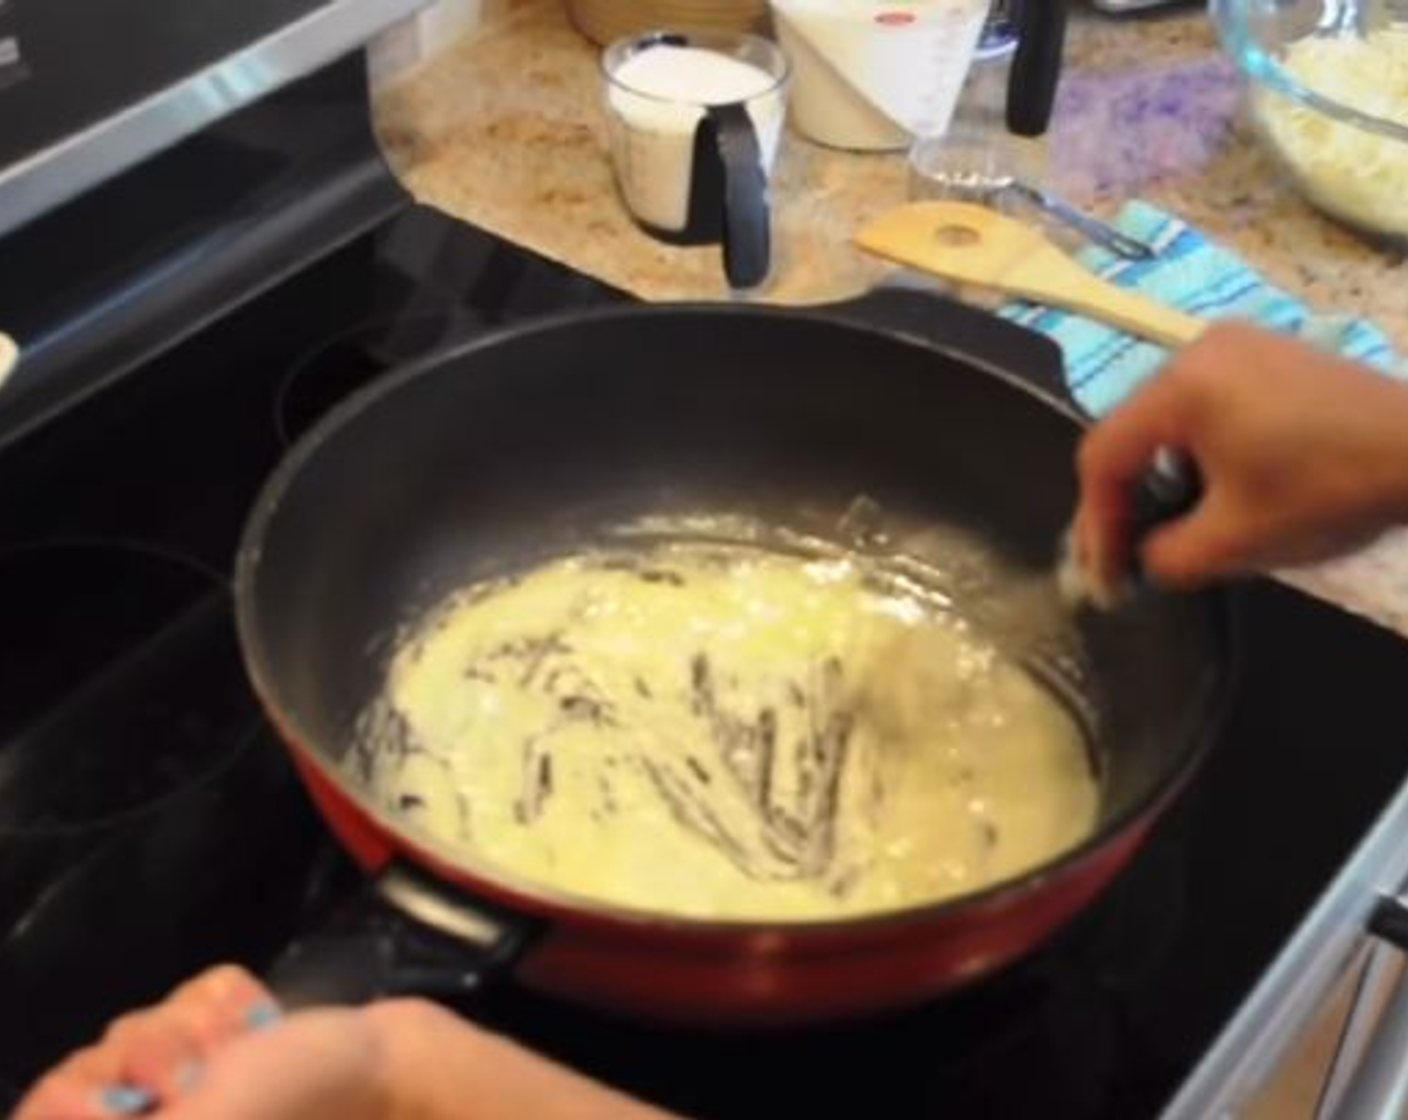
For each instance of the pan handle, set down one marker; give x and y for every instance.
(404, 933)
(1171, 485)
(964, 332)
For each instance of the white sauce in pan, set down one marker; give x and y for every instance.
(724, 731)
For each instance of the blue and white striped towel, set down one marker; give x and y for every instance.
(1103, 365)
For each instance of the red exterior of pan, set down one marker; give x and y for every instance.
(704, 974)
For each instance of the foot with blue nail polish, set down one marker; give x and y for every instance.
(219, 1048)
(263, 1014)
(149, 1060)
(127, 1100)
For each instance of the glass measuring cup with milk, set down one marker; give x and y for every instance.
(695, 123)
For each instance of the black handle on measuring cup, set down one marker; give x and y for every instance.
(747, 233)
(1036, 65)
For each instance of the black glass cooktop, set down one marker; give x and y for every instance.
(149, 823)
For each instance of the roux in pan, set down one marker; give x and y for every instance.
(725, 731)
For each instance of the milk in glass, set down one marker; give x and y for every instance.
(656, 98)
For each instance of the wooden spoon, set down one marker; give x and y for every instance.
(976, 245)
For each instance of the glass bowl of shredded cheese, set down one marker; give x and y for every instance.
(1328, 88)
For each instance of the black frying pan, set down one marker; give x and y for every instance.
(515, 446)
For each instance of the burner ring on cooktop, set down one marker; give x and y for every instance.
(339, 366)
(123, 683)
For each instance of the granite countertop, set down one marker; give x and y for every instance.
(505, 129)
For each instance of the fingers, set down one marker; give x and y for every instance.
(319, 1063)
(219, 1004)
(1176, 409)
(96, 1081)
(1206, 545)
(1223, 539)
(128, 1071)
(71, 1091)
(1301, 453)
(1110, 460)
(150, 1058)
(157, 1053)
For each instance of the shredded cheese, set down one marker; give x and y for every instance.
(1359, 176)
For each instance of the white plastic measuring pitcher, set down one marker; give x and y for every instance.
(871, 75)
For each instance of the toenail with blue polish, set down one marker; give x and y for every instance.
(188, 1076)
(262, 1014)
(127, 1100)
